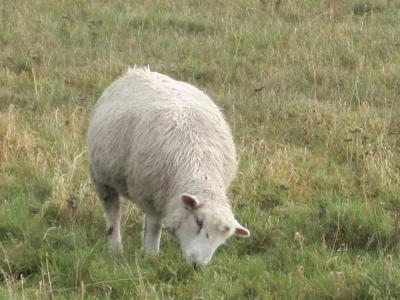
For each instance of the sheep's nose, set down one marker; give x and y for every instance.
(197, 260)
(199, 264)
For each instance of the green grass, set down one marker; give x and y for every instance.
(311, 90)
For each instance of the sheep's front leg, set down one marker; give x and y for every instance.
(112, 211)
(152, 234)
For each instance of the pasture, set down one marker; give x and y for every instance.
(311, 90)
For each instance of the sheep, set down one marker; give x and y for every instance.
(166, 146)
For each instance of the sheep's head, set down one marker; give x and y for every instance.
(204, 228)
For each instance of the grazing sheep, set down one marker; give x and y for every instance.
(166, 146)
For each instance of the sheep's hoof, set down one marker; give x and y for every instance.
(116, 249)
(151, 253)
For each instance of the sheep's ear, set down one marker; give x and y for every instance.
(190, 201)
(241, 231)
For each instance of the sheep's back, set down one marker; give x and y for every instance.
(156, 132)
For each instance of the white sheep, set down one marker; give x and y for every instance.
(166, 146)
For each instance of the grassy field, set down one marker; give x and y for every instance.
(312, 92)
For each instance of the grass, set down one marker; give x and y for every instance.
(311, 90)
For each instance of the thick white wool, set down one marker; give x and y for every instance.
(152, 139)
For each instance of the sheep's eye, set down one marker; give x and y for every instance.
(199, 222)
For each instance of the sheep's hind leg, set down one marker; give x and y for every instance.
(112, 203)
(152, 234)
